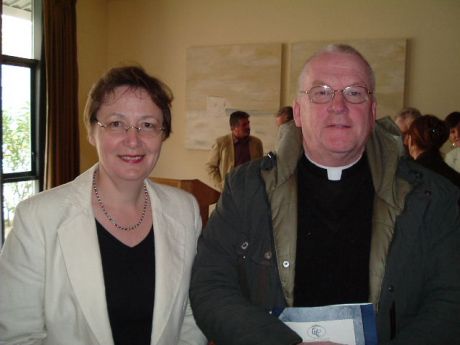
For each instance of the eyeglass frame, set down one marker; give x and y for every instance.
(139, 130)
(307, 92)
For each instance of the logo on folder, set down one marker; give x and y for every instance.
(316, 332)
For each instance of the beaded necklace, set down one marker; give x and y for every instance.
(110, 218)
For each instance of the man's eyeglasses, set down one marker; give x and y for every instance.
(322, 94)
(145, 129)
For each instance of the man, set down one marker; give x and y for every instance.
(233, 149)
(338, 219)
(284, 121)
(404, 119)
(284, 115)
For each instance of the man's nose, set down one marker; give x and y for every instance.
(338, 103)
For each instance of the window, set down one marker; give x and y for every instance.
(21, 134)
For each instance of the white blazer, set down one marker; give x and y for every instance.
(51, 280)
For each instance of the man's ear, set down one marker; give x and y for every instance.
(296, 112)
(374, 110)
(373, 113)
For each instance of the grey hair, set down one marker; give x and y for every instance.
(338, 48)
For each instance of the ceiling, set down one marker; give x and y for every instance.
(19, 4)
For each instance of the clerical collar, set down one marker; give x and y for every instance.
(333, 173)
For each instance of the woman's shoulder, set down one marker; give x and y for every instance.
(166, 193)
(454, 153)
(75, 191)
(452, 158)
(46, 212)
(175, 203)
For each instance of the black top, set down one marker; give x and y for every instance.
(433, 160)
(242, 154)
(129, 276)
(334, 233)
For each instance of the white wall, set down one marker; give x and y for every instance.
(156, 33)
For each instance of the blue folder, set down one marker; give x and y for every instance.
(363, 316)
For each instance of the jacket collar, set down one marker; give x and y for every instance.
(288, 152)
(384, 149)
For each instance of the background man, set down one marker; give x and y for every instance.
(404, 120)
(233, 149)
(284, 115)
(337, 219)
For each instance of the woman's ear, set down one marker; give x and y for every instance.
(91, 139)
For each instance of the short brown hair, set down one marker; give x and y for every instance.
(134, 77)
(428, 132)
(236, 116)
(452, 120)
(286, 110)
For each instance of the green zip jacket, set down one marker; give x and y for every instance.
(245, 264)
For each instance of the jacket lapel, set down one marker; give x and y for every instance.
(80, 250)
(169, 259)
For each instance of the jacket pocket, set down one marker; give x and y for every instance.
(255, 271)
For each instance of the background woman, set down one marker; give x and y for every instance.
(106, 258)
(453, 123)
(426, 135)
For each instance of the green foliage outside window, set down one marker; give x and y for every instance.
(16, 158)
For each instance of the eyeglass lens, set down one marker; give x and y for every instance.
(352, 94)
(119, 128)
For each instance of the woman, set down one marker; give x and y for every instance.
(426, 135)
(453, 157)
(106, 258)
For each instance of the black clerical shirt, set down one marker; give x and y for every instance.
(334, 233)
